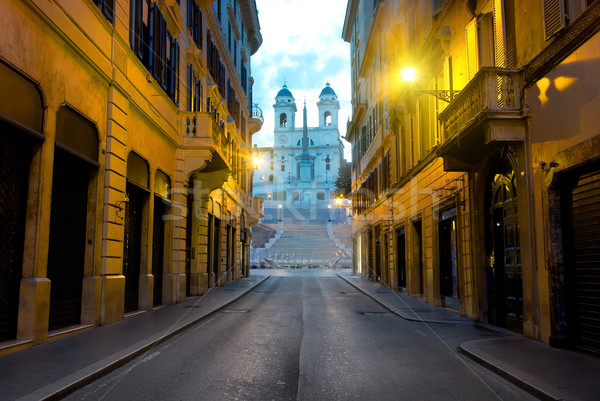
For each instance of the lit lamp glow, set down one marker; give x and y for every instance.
(257, 160)
(408, 74)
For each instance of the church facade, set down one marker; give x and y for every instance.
(301, 168)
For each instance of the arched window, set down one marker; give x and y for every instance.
(283, 120)
(327, 118)
(310, 142)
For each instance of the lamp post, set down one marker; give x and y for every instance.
(280, 210)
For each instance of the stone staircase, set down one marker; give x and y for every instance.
(302, 246)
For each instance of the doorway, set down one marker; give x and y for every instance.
(504, 274)
(132, 245)
(448, 255)
(158, 248)
(401, 258)
(66, 248)
(15, 157)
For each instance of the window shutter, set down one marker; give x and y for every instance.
(499, 35)
(175, 71)
(472, 49)
(554, 17)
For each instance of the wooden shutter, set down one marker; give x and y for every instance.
(499, 35)
(472, 36)
(554, 17)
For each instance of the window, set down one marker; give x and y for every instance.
(107, 7)
(194, 19)
(283, 120)
(437, 6)
(153, 45)
(327, 118)
(310, 142)
(283, 167)
(560, 13)
(195, 92)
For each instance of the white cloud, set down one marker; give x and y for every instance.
(302, 45)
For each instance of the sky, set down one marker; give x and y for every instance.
(303, 48)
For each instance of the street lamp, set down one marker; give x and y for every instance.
(280, 211)
(408, 74)
(257, 161)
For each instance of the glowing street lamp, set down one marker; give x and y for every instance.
(257, 161)
(407, 74)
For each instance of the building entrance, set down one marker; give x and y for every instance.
(504, 275)
(448, 254)
(132, 247)
(15, 157)
(401, 257)
(582, 245)
(66, 254)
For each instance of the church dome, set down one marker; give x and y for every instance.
(284, 92)
(327, 90)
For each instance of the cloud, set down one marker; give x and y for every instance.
(302, 46)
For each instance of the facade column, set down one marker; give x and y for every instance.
(113, 280)
(34, 292)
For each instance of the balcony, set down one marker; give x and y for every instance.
(204, 142)
(485, 115)
(256, 210)
(256, 122)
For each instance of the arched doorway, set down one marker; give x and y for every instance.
(503, 250)
(71, 212)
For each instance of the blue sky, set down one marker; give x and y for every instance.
(303, 45)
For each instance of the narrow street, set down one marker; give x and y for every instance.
(306, 335)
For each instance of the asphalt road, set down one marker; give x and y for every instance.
(306, 336)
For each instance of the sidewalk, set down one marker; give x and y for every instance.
(545, 372)
(54, 369)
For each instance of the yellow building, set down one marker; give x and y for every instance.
(475, 149)
(125, 158)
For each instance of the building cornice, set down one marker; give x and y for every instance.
(351, 11)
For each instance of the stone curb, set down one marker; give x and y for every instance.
(73, 382)
(523, 380)
(395, 312)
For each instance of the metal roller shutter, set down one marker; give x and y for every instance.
(585, 284)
